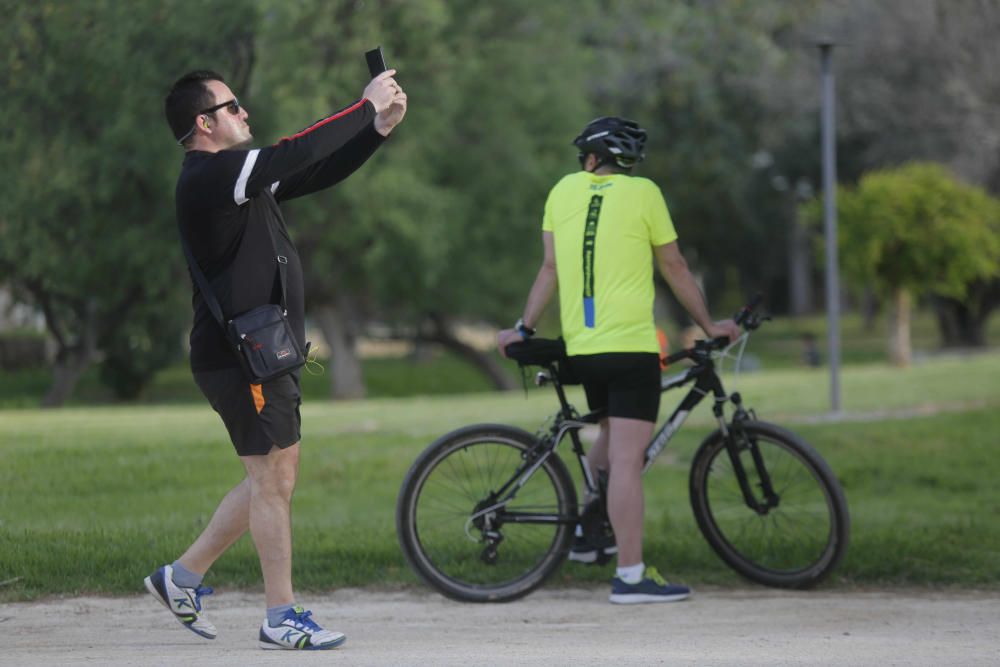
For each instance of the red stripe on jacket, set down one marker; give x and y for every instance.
(350, 109)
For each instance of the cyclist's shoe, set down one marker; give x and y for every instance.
(591, 552)
(183, 603)
(652, 588)
(298, 631)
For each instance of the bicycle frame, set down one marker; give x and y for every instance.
(567, 421)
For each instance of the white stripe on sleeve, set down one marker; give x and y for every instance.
(274, 186)
(240, 193)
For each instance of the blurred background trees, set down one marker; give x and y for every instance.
(86, 232)
(442, 227)
(915, 230)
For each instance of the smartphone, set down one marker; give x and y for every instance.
(376, 61)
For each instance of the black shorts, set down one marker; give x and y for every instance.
(626, 384)
(257, 416)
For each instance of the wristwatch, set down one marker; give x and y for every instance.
(523, 329)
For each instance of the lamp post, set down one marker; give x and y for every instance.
(829, 153)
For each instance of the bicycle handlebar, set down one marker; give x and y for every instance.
(747, 310)
(541, 352)
(743, 317)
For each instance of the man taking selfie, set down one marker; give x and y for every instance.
(228, 213)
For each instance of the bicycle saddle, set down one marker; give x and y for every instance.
(537, 351)
(544, 352)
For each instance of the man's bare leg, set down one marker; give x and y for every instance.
(272, 482)
(230, 521)
(626, 450)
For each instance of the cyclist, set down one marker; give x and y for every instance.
(602, 230)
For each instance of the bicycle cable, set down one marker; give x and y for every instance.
(737, 358)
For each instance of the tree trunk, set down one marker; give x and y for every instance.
(485, 362)
(72, 359)
(899, 329)
(963, 323)
(338, 325)
(869, 309)
(70, 365)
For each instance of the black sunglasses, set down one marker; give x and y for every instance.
(232, 106)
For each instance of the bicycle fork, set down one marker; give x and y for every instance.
(737, 441)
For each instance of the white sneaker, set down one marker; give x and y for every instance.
(298, 631)
(183, 603)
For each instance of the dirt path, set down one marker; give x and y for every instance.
(550, 627)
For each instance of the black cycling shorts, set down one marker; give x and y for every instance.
(257, 416)
(626, 384)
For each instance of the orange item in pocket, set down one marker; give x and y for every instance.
(661, 336)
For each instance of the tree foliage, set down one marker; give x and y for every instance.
(87, 233)
(443, 225)
(916, 230)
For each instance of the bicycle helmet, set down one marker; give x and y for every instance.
(613, 139)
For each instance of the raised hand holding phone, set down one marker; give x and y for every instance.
(382, 90)
(391, 113)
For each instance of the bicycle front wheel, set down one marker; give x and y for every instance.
(456, 535)
(793, 538)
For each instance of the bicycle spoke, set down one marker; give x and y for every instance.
(459, 484)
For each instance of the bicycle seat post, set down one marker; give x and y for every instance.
(560, 392)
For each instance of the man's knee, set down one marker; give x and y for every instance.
(626, 462)
(274, 474)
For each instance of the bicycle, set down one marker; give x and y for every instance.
(488, 512)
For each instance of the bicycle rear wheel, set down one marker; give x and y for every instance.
(461, 549)
(796, 541)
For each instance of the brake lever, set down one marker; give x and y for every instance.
(755, 320)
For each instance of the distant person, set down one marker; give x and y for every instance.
(227, 208)
(810, 351)
(602, 231)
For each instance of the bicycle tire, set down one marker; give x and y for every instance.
(432, 525)
(795, 544)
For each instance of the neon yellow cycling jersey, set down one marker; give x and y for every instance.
(604, 229)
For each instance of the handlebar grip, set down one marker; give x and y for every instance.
(744, 313)
(677, 356)
(720, 342)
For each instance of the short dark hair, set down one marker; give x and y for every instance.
(187, 97)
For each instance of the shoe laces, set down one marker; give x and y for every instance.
(198, 592)
(653, 574)
(301, 617)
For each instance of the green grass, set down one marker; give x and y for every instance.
(92, 499)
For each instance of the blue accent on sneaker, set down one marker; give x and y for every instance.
(183, 603)
(297, 630)
(301, 617)
(198, 592)
(652, 588)
(158, 583)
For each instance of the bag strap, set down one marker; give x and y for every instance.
(206, 291)
(282, 266)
